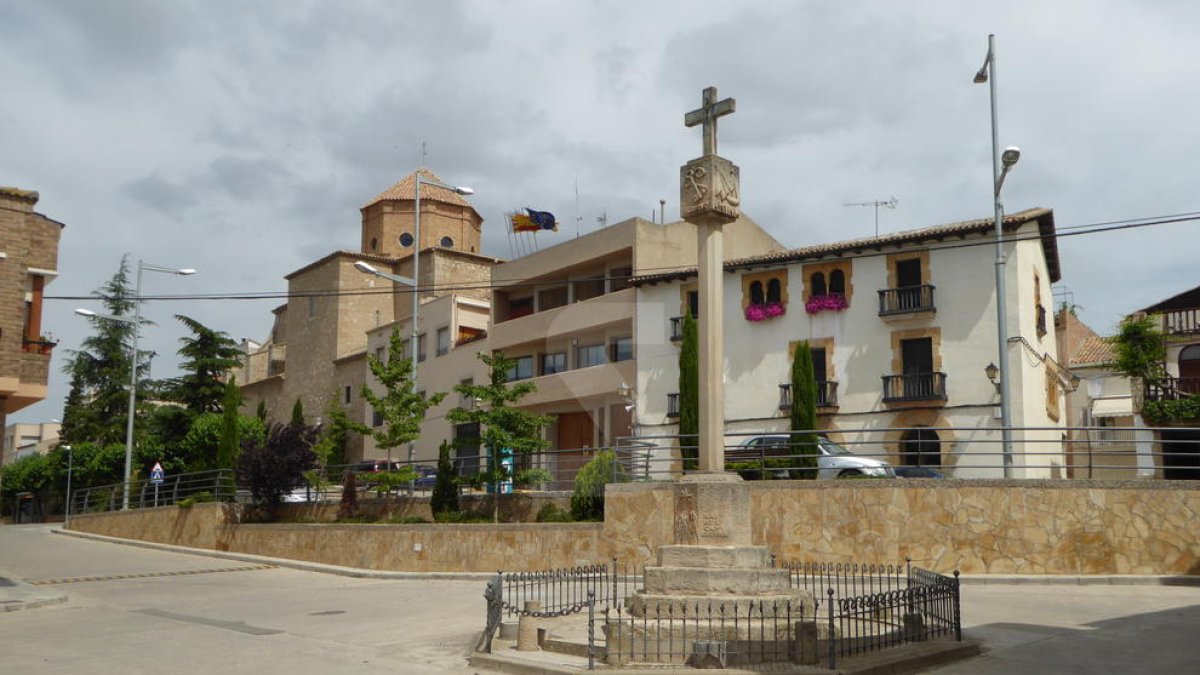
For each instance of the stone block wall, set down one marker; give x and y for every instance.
(977, 527)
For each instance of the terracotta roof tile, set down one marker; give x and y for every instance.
(406, 189)
(979, 225)
(1094, 351)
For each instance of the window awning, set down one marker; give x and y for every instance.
(1117, 406)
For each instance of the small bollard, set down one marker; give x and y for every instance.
(527, 634)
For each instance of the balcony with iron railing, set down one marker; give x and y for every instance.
(1172, 388)
(826, 395)
(914, 387)
(906, 300)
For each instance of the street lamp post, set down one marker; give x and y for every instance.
(416, 274)
(133, 359)
(1001, 164)
(70, 466)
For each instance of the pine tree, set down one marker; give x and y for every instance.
(207, 356)
(804, 412)
(99, 370)
(689, 395)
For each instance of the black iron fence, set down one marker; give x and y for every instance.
(838, 611)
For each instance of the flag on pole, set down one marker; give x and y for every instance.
(532, 221)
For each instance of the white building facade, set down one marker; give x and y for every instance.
(903, 327)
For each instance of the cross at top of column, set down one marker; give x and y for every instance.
(708, 112)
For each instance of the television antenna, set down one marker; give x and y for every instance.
(890, 202)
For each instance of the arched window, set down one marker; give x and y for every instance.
(837, 282)
(774, 291)
(817, 284)
(447, 242)
(374, 243)
(1189, 369)
(756, 293)
(406, 240)
(920, 447)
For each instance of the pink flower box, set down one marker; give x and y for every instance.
(770, 310)
(819, 303)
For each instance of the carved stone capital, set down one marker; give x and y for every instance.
(710, 190)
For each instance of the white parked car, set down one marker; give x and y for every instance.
(833, 462)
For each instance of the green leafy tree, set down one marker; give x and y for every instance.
(401, 408)
(689, 394)
(504, 428)
(587, 500)
(330, 448)
(230, 442)
(98, 405)
(203, 439)
(445, 489)
(1139, 349)
(804, 412)
(207, 356)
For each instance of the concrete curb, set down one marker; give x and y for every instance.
(910, 659)
(1079, 579)
(21, 595)
(355, 572)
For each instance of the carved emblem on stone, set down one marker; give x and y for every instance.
(709, 187)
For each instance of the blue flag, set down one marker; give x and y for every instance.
(543, 219)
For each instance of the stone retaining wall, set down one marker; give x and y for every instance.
(997, 527)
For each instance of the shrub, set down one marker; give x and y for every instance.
(530, 477)
(445, 488)
(587, 501)
(550, 513)
(461, 517)
(198, 498)
(406, 520)
(273, 469)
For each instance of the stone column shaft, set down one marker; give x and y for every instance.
(712, 348)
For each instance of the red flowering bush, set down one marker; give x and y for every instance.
(819, 303)
(766, 311)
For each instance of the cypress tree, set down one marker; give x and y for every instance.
(298, 413)
(804, 412)
(445, 490)
(689, 394)
(230, 443)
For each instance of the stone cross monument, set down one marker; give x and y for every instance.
(711, 564)
(709, 195)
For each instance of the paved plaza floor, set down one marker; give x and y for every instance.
(150, 611)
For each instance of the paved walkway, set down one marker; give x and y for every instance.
(247, 614)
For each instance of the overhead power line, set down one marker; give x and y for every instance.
(1062, 232)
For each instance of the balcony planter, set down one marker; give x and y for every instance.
(818, 303)
(770, 310)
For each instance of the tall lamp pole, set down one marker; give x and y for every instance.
(416, 266)
(70, 466)
(1001, 163)
(133, 360)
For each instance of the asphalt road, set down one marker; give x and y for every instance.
(189, 618)
(193, 614)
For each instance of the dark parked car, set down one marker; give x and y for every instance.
(917, 472)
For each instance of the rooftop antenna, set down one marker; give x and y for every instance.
(578, 218)
(890, 202)
(603, 218)
(422, 153)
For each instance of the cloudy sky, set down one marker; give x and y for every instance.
(240, 138)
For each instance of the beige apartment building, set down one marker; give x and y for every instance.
(28, 261)
(568, 314)
(23, 440)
